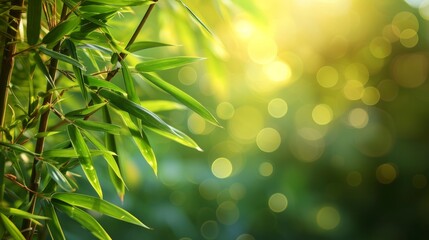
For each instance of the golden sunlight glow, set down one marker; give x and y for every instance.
(268, 140)
(187, 75)
(322, 114)
(409, 38)
(277, 107)
(277, 202)
(262, 49)
(245, 124)
(278, 71)
(357, 72)
(370, 96)
(328, 218)
(386, 173)
(225, 110)
(222, 168)
(358, 118)
(380, 47)
(244, 29)
(266, 169)
(353, 90)
(327, 76)
(406, 20)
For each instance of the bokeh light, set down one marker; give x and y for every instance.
(268, 140)
(277, 107)
(222, 168)
(277, 202)
(328, 218)
(386, 173)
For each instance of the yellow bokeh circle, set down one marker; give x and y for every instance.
(328, 218)
(386, 173)
(277, 107)
(222, 168)
(277, 202)
(268, 140)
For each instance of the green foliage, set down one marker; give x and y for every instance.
(52, 128)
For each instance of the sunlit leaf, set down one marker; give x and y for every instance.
(137, 46)
(142, 143)
(122, 3)
(18, 148)
(195, 17)
(148, 118)
(166, 63)
(162, 105)
(53, 225)
(85, 220)
(62, 29)
(11, 228)
(40, 65)
(96, 82)
(84, 157)
(46, 134)
(80, 113)
(62, 57)
(98, 205)
(77, 71)
(21, 213)
(178, 137)
(98, 126)
(184, 98)
(34, 13)
(129, 83)
(58, 177)
(68, 153)
(98, 8)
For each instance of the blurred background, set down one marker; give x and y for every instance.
(324, 108)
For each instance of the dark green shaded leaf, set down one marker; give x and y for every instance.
(98, 205)
(54, 227)
(84, 157)
(165, 63)
(98, 126)
(85, 220)
(80, 113)
(184, 98)
(11, 228)
(43, 68)
(34, 13)
(58, 177)
(18, 148)
(62, 57)
(137, 46)
(59, 31)
(77, 71)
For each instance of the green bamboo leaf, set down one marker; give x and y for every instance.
(85, 159)
(184, 98)
(77, 71)
(21, 213)
(129, 83)
(85, 220)
(137, 46)
(80, 113)
(178, 137)
(162, 105)
(108, 154)
(98, 205)
(148, 118)
(142, 143)
(62, 57)
(34, 13)
(46, 134)
(166, 63)
(43, 68)
(69, 153)
(122, 3)
(62, 29)
(58, 177)
(98, 126)
(96, 82)
(98, 8)
(195, 17)
(18, 148)
(53, 226)
(11, 228)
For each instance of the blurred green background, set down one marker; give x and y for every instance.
(324, 108)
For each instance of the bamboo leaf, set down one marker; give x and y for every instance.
(98, 205)
(46, 134)
(162, 105)
(58, 177)
(95, 82)
(53, 226)
(184, 98)
(77, 71)
(62, 57)
(129, 83)
(80, 113)
(18, 148)
(34, 13)
(137, 46)
(122, 3)
(11, 228)
(195, 17)
(148, 118)
(142, 143)
(84, 158)
(98, 126)
(165, 63)
(62, 29)
(85, 220)
(43, 68)
(21, 213)
(68, 153)
(178, 137)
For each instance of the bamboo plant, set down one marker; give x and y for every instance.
(56, 52)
